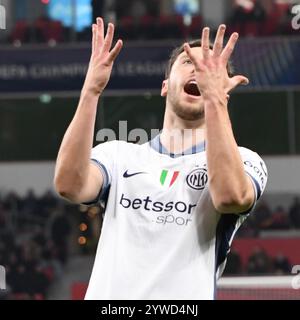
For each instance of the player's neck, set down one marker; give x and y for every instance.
(179, 135)
(173, 121)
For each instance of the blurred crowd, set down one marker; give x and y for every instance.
(262, 18)
(258, 263)
(264, 219)
(34, 234)
(144, 20)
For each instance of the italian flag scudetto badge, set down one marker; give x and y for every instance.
(168, 177)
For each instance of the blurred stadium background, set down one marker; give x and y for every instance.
(47, 245)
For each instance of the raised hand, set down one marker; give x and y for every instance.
(102, 58)
(210, 69)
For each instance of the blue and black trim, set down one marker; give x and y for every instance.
(257, 191)
(157, 146)
(257, 186)
(103, 193)
(225, 229)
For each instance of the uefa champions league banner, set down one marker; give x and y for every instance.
(64, 69)
(272, 62)
(267, 63)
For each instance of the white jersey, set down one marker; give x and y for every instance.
(161, 236)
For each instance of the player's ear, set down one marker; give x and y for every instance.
(164, 88)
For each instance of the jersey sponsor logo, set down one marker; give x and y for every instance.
(128, 175)
(164, 174)
(260, 171)
(197, 179)
(149, 204)
(177, 213)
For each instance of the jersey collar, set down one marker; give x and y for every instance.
(157, 146)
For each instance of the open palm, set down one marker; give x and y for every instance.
(102, 57)
(211, 70)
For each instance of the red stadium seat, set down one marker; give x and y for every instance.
(48, 30)
(78, 290)
(251, 28)
(271, 25)
(20, 32)
(171, 26)
(126, 29)
(147, 26)
(194, 30)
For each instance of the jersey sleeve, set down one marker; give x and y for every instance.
(256, 168)
(103, 156)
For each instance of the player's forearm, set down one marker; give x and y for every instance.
(229, 185)
(73, 159)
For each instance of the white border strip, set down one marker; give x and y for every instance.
(256, 282)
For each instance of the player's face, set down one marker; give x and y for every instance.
(181, 88)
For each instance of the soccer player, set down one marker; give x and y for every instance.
(173, 204)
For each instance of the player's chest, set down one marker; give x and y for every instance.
(184, 175)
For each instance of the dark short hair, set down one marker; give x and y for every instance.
(178, 50)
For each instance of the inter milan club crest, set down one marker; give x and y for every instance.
(197, 179)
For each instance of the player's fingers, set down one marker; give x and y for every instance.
(94, 28)
(188, 51)
(196, 62)
(205, 43)
(242, 80)
(227, 51)
(238, 80)
(100, 25)
(218, 44)
(98, 41)
(108, 38)
(115, 51)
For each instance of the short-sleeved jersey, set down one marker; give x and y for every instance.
(161, 236)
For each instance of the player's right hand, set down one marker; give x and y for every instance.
(102, 58)
(211, 69)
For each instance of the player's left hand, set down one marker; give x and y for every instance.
(211, 70)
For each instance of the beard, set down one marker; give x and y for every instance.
(187, 111)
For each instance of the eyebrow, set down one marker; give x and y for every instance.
(184, 56)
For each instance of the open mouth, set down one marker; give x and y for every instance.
(191, 88)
